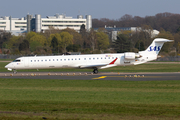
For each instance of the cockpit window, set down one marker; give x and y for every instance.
(17, 60)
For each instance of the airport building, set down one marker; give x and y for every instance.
(114, 31)
(38, 24)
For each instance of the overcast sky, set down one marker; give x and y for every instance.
(112, 9)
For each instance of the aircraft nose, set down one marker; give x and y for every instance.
(8, 66)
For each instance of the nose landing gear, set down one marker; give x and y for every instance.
(14, 71)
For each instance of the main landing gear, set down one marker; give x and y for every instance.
(95, 71)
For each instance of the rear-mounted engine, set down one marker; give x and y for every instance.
(131, 55)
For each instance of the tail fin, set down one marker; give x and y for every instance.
(156, 46)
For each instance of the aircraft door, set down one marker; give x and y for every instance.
(121, 60)
(26, 62)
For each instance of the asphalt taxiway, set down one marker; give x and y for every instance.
(90, 76)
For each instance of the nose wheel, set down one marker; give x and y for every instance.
(14, 71)
(95, 71)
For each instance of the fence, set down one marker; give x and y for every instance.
(173, 59)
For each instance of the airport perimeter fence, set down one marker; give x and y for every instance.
(5, 56)
(171, 58)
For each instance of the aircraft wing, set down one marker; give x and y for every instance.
(99, 65)
(92, 66)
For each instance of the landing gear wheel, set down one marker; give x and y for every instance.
(14, 71)
(95, 71)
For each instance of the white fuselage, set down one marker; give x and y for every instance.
(73, 61)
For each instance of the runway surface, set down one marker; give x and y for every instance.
(90, 76)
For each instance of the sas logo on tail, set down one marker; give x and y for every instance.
(154, 48)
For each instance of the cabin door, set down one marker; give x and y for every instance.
(26, 62)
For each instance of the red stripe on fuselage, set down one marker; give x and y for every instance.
(113, 61)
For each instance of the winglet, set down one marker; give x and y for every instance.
(113, 61)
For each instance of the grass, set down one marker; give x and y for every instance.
(6, 60)
(150, 67)
(89, 99)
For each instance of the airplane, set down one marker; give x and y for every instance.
(91, 61)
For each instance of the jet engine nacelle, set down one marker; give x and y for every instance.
(131, 55)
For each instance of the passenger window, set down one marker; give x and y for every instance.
(61, 59)
(57, 59)
(71, 59)
(49, 59)
(89, 58)
(93, 58)
(64, 59)
(45, 60)
(84, 58)
(31, 60)
(34, 60)
(79, 58)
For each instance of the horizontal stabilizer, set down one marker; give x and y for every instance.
(162, 40)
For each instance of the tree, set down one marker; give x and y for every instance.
(30, 35)
(50, 30)
(102, 40)
(73, 48)
(164, 34)
(33, 45)
(13, 44)
(84, 36)
(4, 37)
(177, 41)
(140, 45)
(58, 37)
(54, 45)
(39, 38)
(24, 46)
(77, 38)
(66, 39)
(122, 44)
(92, 39)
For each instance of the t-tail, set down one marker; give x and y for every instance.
(151, 53)
(156, 46)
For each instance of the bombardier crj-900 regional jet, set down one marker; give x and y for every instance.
(93, 61)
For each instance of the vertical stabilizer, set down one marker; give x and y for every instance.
(156, 46)
(151, 53)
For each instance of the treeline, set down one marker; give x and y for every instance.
(54, 41)
(166, 21)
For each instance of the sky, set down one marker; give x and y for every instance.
(112, 9)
